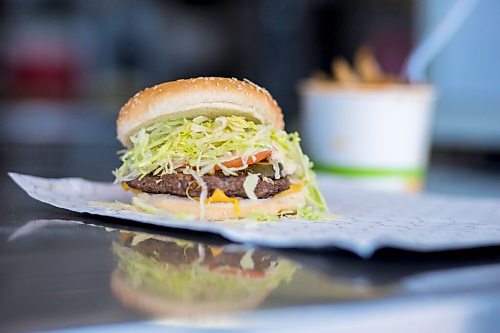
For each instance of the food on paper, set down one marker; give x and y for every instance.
(214, 148)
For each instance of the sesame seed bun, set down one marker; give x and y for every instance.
(207, 96)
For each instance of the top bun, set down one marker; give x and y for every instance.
(207, 96)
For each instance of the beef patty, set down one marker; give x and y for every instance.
(179, 184)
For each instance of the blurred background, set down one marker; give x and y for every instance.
(67, 67)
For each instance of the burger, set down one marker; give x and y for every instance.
(214, 148)
(167, 277)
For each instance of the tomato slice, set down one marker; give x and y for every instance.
(238, 162)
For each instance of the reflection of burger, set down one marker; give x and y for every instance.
(167, 277)
(214, 148)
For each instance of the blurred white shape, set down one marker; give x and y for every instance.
(467, 77)
(34, 225)
(427, 50)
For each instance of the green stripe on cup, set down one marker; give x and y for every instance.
(416, 173)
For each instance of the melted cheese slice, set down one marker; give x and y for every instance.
(128, 188)
(294, 188)
(220, 196)
(216, 251)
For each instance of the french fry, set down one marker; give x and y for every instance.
(367, 66)
(366, 69)
(343, 72)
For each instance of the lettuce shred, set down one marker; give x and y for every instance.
(259, 215)
(303, 213)
(290, 144)
(250, 184)
(198, 145)
(311, 214)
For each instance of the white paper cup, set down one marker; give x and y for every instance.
(377, 136)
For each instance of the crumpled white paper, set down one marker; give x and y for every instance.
(365, 220)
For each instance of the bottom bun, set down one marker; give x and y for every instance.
(162, 306)
(175, 205)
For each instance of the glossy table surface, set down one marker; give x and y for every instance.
(62, 270)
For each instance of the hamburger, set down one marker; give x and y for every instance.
(214, 148)
(167, 277)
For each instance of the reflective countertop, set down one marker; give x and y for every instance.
(65, 271)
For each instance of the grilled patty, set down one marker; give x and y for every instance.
(181, 184)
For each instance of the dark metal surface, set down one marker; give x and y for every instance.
(56, 267)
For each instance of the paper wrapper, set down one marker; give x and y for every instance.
(364, 221)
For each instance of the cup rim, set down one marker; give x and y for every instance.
(313, 85)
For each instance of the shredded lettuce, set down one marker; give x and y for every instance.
(246, 262)
(145, 207)
(204, 190)
(196, 146)
(303, 213)
(199, 143)
(139, 238)
(310, 213)
(250, 184)
(259, 215)
(290, 144)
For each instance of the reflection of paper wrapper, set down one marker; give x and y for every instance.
(375, 135)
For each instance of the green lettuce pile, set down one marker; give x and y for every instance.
(197, 145)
